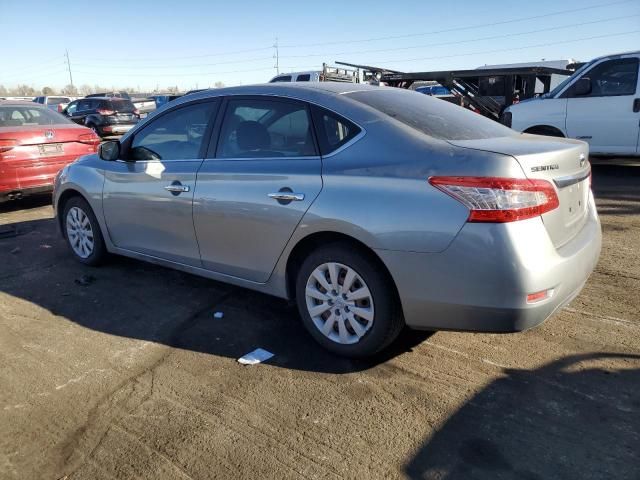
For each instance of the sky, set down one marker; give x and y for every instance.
(195, 43)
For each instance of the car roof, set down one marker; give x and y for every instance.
(20, 103)
(286, 88)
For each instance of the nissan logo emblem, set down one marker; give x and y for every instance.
(582, 160)
(48, 134)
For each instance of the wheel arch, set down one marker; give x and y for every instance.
(65, 196)
(548, 130)
(313, 241)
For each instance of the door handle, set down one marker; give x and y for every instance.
(287, 196)
(177, 188)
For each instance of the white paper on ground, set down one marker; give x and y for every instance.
(257, 356)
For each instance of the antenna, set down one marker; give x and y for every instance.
(69, 66)
(277, 57)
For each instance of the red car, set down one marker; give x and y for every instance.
(35, 143)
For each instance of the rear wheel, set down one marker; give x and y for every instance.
(82, 232)
(346, 302)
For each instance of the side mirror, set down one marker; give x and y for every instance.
(582, 87)
(109, 151)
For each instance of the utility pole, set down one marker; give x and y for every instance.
(69, 66)
(277, 57)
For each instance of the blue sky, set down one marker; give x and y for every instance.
(149, 44)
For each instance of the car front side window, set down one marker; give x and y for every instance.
(176, 135)
(256, 128)
(613, 78)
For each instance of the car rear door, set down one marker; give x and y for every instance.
(608, 117)
(251, 195)
(148, 195)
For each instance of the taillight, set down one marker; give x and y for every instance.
(6, 145)
(104, 111)
(88, 138)
(60, 108)
(499, 200)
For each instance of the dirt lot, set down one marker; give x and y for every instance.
(131, 376)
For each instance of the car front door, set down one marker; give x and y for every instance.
(608, 117)
(250, 198)
(80, 112)
(148, 195)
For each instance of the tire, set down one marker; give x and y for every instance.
(92, 250)
(381, 320)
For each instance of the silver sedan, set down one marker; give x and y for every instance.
(373, 208)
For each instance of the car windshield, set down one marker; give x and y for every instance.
(566, 81)
(18, 116)
(432, 116)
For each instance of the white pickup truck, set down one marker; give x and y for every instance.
(599, 103)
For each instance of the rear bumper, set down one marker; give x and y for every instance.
(480, 283)
(114, 129)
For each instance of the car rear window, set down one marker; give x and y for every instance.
(121, 105)
(18, 116)
(432, 116)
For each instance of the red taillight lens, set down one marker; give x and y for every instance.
(6, 145)
(104, 111)
(60, 108)
(499, 200)
(88, 138)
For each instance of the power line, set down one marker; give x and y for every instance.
(458, 29)
(493, 37)
(510, 49)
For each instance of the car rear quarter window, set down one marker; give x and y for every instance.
(303, 78)
(431, 116)
(283, 78)
(333, 130)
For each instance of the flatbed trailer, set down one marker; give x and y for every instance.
(487, 90)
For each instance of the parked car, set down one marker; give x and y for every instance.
(120, 94)
(327, 74)
(144, 106)
(373, 208)
(599, 103)
(35, 143)
(163, 99)
(56, 103)
(434, 90)
(105, 116)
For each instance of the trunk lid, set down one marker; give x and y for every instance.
(563, 162)
(43, 134)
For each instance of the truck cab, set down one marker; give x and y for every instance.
(599, 104)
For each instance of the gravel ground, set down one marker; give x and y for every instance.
(123, 372)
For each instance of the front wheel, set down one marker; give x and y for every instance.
(82, 232)
(347, 303)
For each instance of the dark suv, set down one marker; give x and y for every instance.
(105, 116)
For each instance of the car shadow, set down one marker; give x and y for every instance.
(575, 418)
(134, 299)
(616, 188)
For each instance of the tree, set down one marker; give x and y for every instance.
(47, 91)
(85, 89)
(3, 90)
(25, 91)
(218, 85)
(70, 90)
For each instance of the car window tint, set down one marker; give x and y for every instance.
(333, 130)
(176, 135)
(613, 77)
(303, 78)
(431, 116)
(84, 105)
(284, 78)
(265, 128)
(71, 108)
